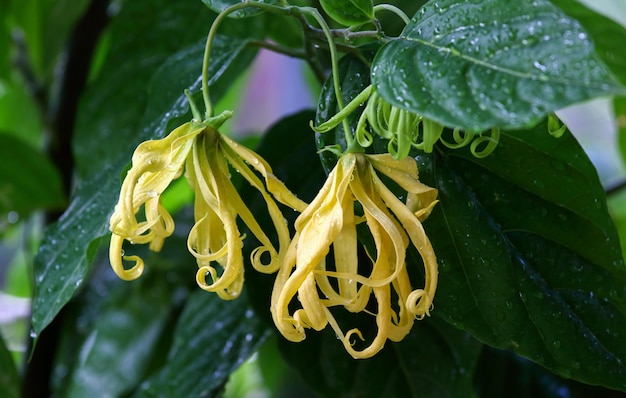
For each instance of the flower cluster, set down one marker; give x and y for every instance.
(330, 219)
(214, 240)
(311, 283)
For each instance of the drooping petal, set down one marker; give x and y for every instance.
(322, 220)
(214, 240)
(232, 151)
(419, 301)
(274, 185)
(316, 229)
(155, 164)
(420, 197)
(116, 255)
(330, 221)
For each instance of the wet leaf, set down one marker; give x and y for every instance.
(137, 96)
(349, 12)
(529, 258)
(129, 324)
(212, 339)
(125, 333)
(474, 65)
(221, 5)
(434, 360)
(607, 35)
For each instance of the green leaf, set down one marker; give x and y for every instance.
(529, 258)
(221, 5)
(58, 21)
(9, 380)
(132, 323)
(474, 65)
(284, 30)
(606, 34)
(126, 333)
(434, 360)
(138, 93)
(5, 40)
(349, 12)
(213, 337)
(608, 37)
(28, 180)
(617, 208)
(19, 115)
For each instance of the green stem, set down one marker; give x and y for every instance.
(341, 115)
(194, 108)
(209, 42)
(393, 9)
(335, 69)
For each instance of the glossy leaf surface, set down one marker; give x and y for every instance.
(125, 333)
(547, 279)
(607, 35)
(434, 360)
(212, 339)
(474, 65)
(221, 5)
(349, 12)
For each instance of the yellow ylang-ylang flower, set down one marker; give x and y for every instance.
(330, 219)
(207, 156)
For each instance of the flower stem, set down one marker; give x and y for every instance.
(209, 42)
(393, 9)
(335, 69)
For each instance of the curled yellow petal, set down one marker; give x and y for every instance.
(155, 164)
(215, 239)
(116, 255)
(330, 221)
